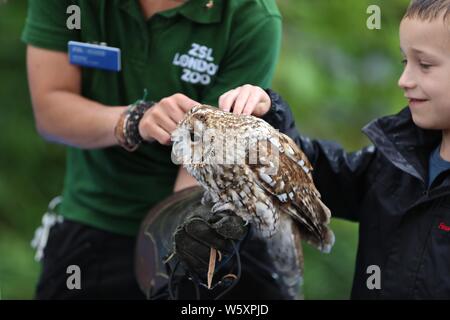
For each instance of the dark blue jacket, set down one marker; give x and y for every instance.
(403, 224)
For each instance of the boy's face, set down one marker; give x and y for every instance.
(425, 80)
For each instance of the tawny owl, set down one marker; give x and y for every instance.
(247, 166)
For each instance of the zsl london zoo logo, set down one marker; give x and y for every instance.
(198, 64)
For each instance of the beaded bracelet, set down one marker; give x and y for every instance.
(127, 128)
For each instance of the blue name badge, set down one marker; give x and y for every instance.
(94, 56)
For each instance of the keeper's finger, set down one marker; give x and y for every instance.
(241, 100)
(252, 101)
(161, 135)
(226, 100)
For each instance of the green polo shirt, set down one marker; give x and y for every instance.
(192, 49)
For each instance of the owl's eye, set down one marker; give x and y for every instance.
(195, 137)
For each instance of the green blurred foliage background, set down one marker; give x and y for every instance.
(335, 72)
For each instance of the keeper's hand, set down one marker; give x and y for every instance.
(247, 99)
(161, 120)
(197, 235)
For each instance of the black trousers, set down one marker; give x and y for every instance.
(105, 261)
(106, 264)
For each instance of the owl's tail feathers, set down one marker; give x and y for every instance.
(323, 239)
(328, 241)
(313, 225)
(326, 235)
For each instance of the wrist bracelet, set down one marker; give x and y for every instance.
(127, 128)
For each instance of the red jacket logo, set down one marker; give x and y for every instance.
(444, 227)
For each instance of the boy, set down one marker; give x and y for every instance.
(399, 188)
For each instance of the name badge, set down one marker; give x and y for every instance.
(94, 56)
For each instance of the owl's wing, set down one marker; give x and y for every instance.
(285, 172)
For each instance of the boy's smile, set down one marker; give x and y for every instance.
(425, 81)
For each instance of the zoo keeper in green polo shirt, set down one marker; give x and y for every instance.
(183, 53)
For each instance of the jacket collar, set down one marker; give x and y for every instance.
(195, 10)
(404, 144)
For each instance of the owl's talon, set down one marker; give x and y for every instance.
(222, 207)
(220, 255)
(206, 198)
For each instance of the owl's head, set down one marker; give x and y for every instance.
(209, 136)
(188, 146)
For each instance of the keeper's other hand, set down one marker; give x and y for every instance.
(247, 99)
(195, 238)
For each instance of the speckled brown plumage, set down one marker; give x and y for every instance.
(278, 184)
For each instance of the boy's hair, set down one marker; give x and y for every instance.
(428, 9)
